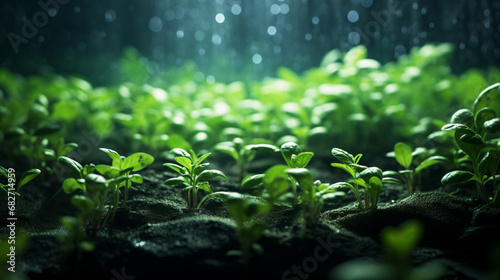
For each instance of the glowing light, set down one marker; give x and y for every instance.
(257, 58)
(220, 18)
(353, 16)
(155, 24)
(236, 9)
(271, 30)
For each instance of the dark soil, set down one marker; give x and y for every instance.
(157, 238)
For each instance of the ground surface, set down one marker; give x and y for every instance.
(157, 236)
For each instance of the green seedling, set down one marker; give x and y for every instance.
(400, 243)
(10, 187)
(370, 178)
(313, 194)
(295, 158)
(243, 153)
(95, 187)
(124, 166)
(250, 224)
(405, 157)
(193, 175)
(471, 131)
(73, 239)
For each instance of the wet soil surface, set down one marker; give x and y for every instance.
(158, 238)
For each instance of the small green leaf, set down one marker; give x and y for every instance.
(4, 172)
(228, 150)
(370, 172)
(430, 162)
(83, 203)
(205, 186)
(457, 177)
(252, 181)
(115, 157)
(182, 153)
(343, 156)
(492, 126)
(454, 126)
(177, 168)
(71, 184)
(489, 163)
(177, 181)
(403, 154)
(136, 178)
(262, 148)
(301, 160)
(486, 97)
(303, 177)
(210, 174)
(71, 166)
(95, 183)
(288, 149)
(137, 161)
(47, 130)
(349, 169)
(463, 116)
(201, 159)
(391, 180)
(186, 162)
(484, 115)
(108, 171)
(473, 139)
(401, 241)
(28, 176)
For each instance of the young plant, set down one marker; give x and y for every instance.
(404, 156)
(471, 130)
(295, 158)
(123, 166)
(10, 187)
(248, 224)
(243, 153)
(313, 194)
(95, 187)
(74, 237)
(193, 175)
(370, 178)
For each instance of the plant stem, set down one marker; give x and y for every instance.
(124, 205)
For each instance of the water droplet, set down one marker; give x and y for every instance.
(284, 9)
(423, 11)
(315, 20)
(139, 243)
(308, 37)
(179, 34)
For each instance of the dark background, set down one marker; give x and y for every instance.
(87, 38)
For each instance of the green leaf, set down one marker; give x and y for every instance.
(401, 241)
(205, 186)
(88, 169)
(262, 148)
(403, 154)
(95, 183)
(201, 159)
(71, 166)
(391, 180)
(177, 168)
(492, 126)
(486, 97)
(66, 148)
(349, 169)
(4, 172)
(457, 177)
(454, 126)
(136, 178)
(83, 203)
(343, 156)
(28, 176)
(71, 184)
(463, 116)
(210, 174)
(47, 130)
(186, 162)
(288, 149)
(370, 172)
(228, 150)
(430, 162)
(137, 161)
(489, 163)
(181, 153)
(303, 177)
(108, 171)
(276, 181)
(302, 159)
(484, 115)
(252, 181)
(115, 157)
(177, 181)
